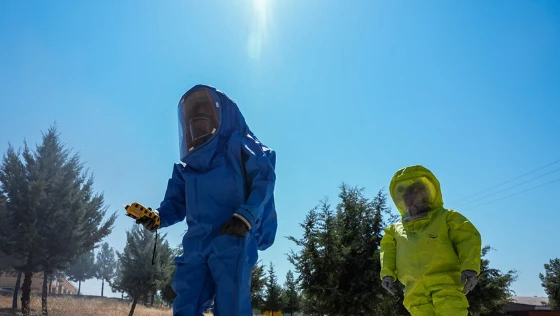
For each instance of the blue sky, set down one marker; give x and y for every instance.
(343, 91)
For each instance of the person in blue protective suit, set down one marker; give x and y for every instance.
(224, 187)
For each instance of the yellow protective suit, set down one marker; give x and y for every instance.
(428, 252)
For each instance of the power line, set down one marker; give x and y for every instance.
(514, 186)
(508, 181)
(514, 194)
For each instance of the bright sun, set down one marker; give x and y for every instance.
(260, 8)
(258, 30)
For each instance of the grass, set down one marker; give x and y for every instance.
(71, 306)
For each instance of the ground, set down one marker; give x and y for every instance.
(70, 306)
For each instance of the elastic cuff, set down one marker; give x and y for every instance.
(241, 217)
(247, 215)
(471, 267)
(385, 274)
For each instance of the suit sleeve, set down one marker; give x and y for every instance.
(173, 209)
(388, 254)
(466, 241)
(260, 179)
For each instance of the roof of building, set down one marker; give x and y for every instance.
(530, 300)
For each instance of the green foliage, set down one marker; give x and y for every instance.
(167, 292)
(492, 293)
(106, 265)
(273, 298)
(166, 257)
(304, 263)
(338, 262)
(21, 197)
(551, 282)
(52, 214)
(291, 297)
(136, 276)
(84, 268)
(6, 262)
(258, 283)
(50, 206)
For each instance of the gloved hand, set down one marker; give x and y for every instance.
(469, 279)
(148, 223)
(235, 227)
(387, 284)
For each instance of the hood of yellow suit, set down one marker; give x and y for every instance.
(408, 176)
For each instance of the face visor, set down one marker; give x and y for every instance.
(199, 119)
(416, 196)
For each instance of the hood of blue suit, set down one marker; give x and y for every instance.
(231, 122)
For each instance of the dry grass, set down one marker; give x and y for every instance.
(70, 306)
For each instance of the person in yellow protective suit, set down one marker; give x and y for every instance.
(434, 252)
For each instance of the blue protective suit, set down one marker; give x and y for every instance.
(231, 173)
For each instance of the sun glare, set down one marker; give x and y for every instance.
(258, 30)
(260, 9)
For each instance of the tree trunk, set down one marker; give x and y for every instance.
(16, 290)
(102, 285)
(51, 280)
(79, 287)
(26, 293)
(153, 299)
(133, 305)
(44, 294)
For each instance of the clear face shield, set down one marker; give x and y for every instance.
(199, 119)
(415, 196)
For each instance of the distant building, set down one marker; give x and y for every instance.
(528, 303)
(59, 285)
(530, 306)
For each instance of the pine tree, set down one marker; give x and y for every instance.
(166, 261)
(551, 282)
(361, 223)
(273, 299)
(83, 269)
(330, 259)
(105, 265)
(167, 292)
(258, 283)
(168, 295)
(6, 262)
(138, 277)
(338, 261)
(305, 262)
(291, 299)
(51, 204)
(308, 306)
(21, 196)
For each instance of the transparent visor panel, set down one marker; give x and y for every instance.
(414, 195)
(199, 119)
